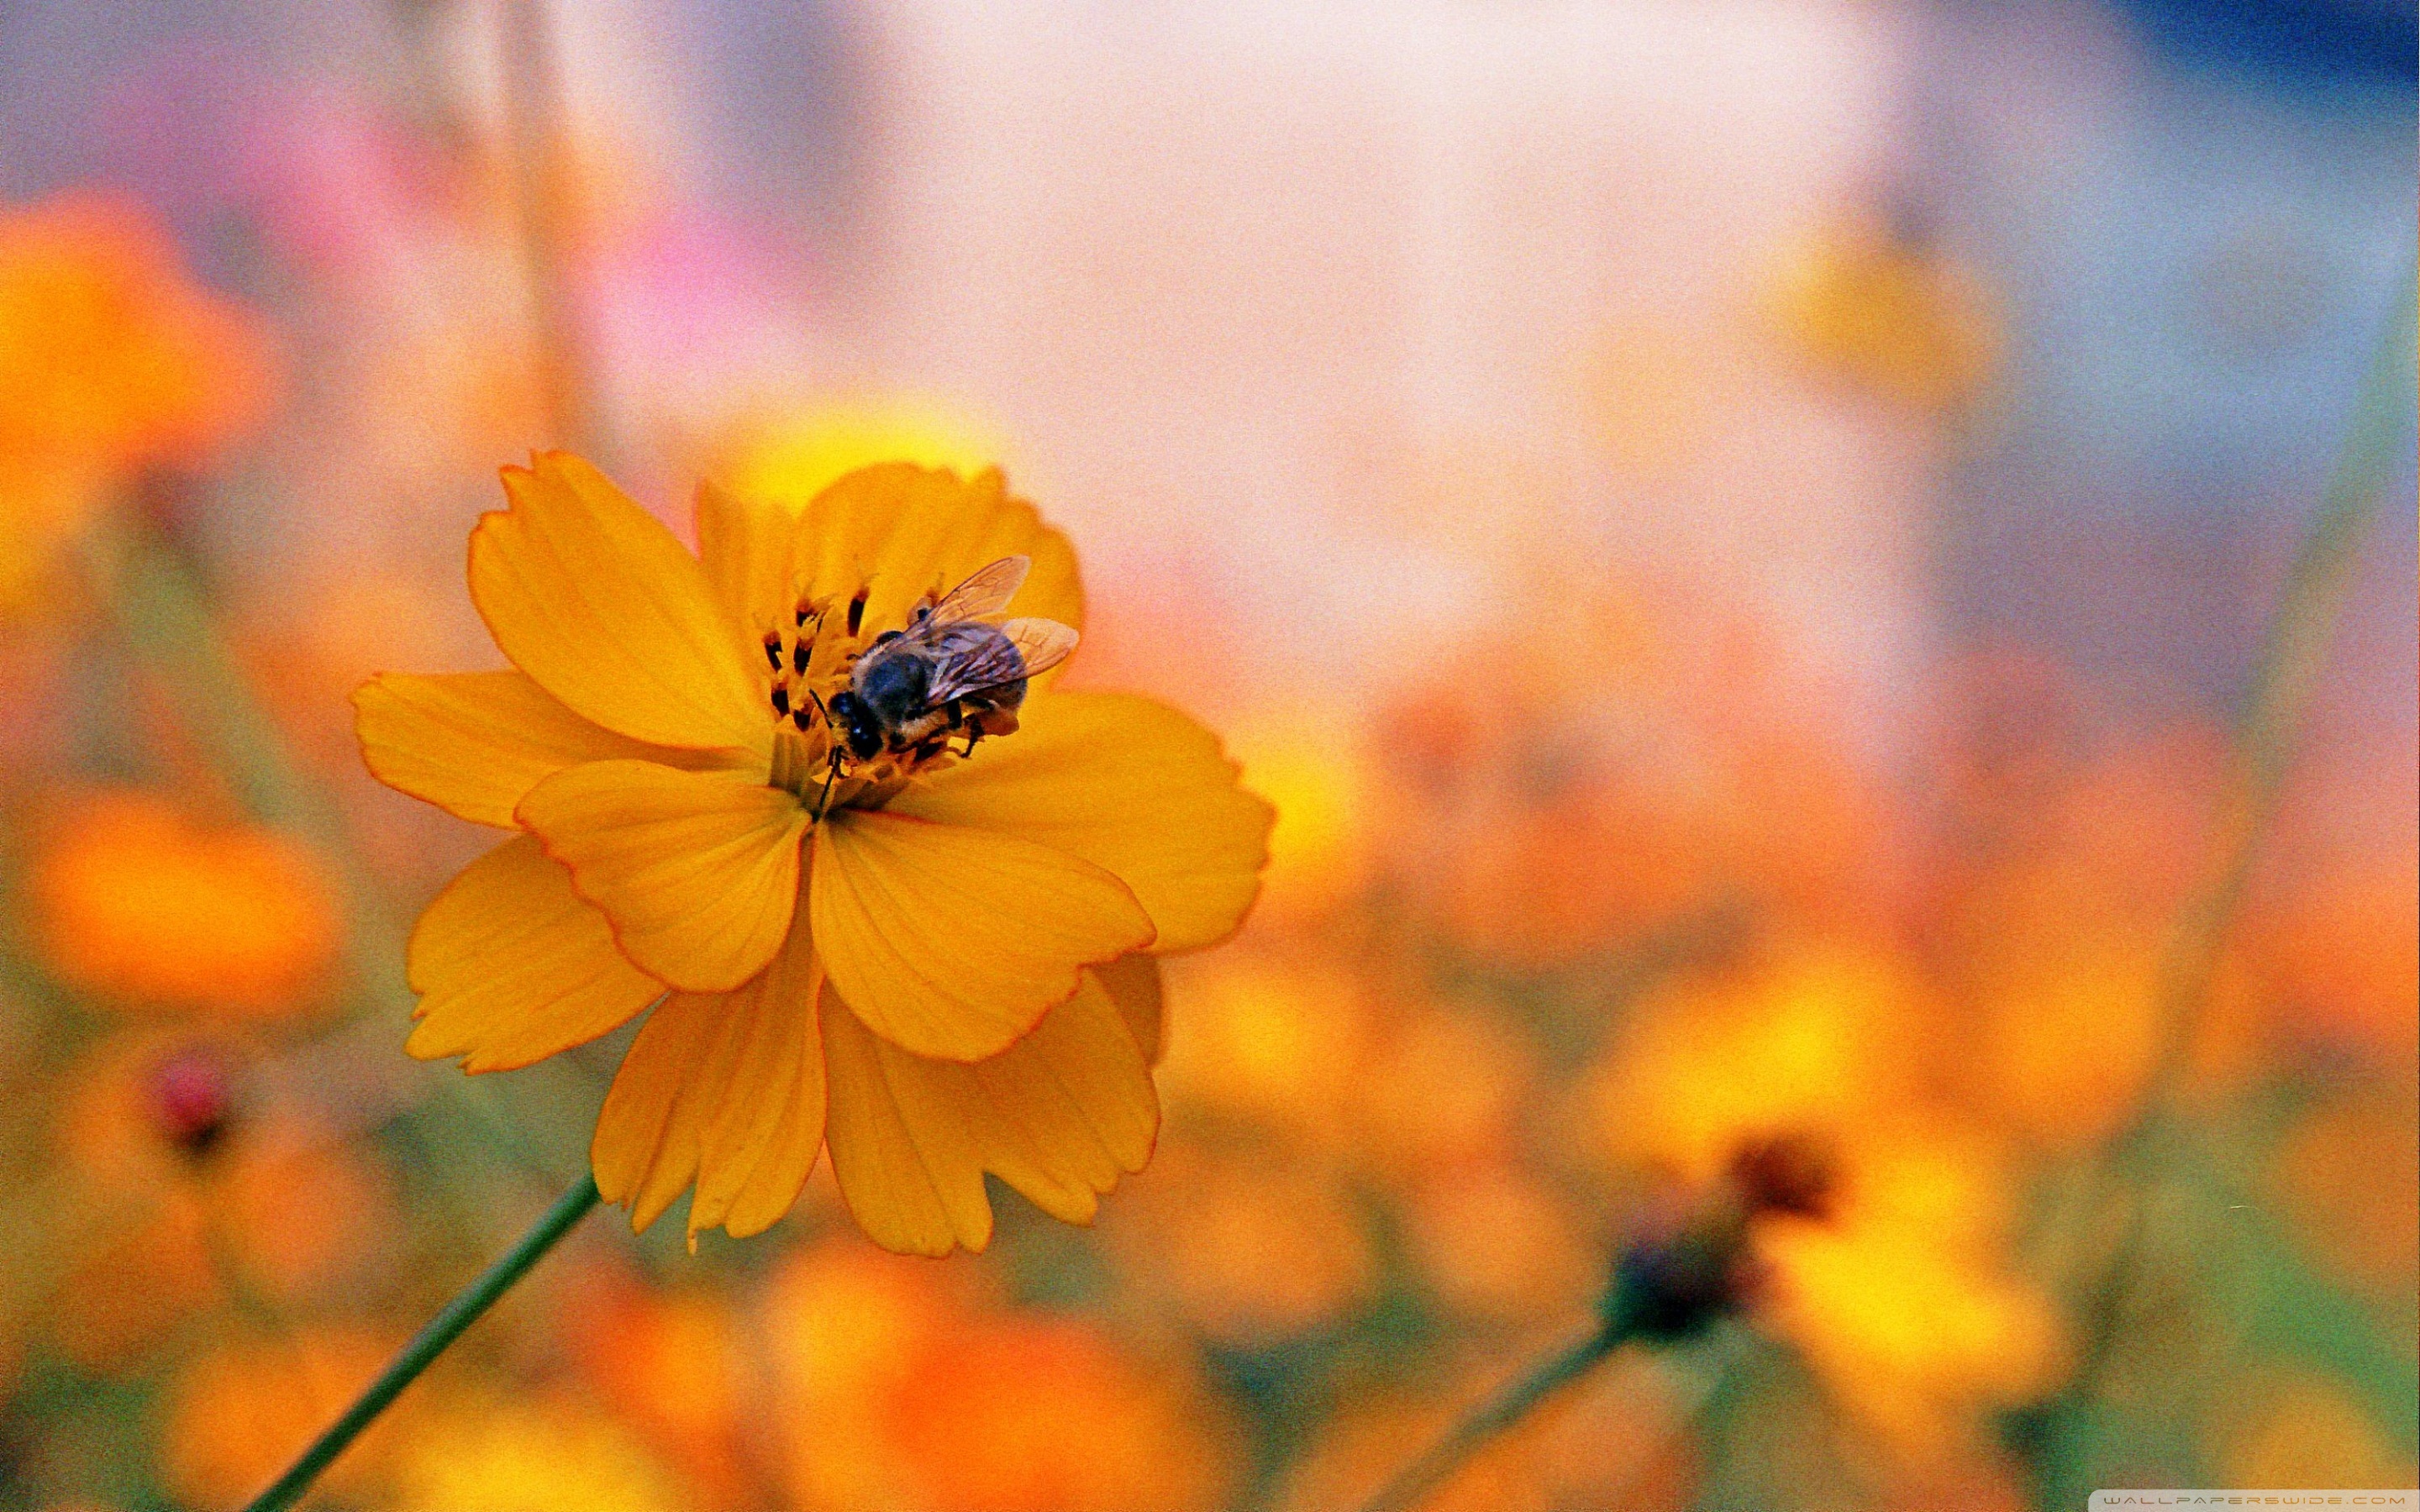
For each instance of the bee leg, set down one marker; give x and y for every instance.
(831, 775)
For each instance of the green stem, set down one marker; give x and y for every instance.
(1492, 1418)
(428, 1344)
(2291, 659)
(2266, 731)
(165, 616)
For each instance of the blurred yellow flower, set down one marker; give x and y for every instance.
(1316, 851)
(1892, 315)
(1905, 1299)
(899, 950)
(1815, 1039)
(509, 1455)
(791, 459)
(1268, 1041)
(112, 360)
(1903, 1295)
(138, 901)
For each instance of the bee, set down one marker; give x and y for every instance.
(951, 670)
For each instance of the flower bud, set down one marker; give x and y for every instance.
(1795, 1174)
(1691, 1265)
(190, 1099)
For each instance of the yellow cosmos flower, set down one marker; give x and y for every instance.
(934, 962)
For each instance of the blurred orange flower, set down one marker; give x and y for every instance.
(695, 828)
(1252, 1247)
(1021, 1413)
(1613, 1440)
(1539, 810)
(1441, 1088)
(670, 1362)
(240, 1412)
(2346, 1175)
(175, 1193)
(2341, 953)
(1587, 790)
(112, 360)
(1494, 1243)
(2056, 940)
(136, 901)
(901, 1385)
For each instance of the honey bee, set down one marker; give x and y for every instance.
(949, 671)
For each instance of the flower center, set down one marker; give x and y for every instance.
(812, 657)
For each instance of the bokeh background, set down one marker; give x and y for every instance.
(1733, 532)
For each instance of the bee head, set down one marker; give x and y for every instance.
(858, 725)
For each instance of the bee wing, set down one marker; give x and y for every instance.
(987, 590)
(1042, 643)
(970, 663)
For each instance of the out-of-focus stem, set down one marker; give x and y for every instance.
(166, 620)
(165, 617)
(2291, 659)
(425, 1346)
(1492, 1418)
(542, 184)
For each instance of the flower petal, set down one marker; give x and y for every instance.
(953, 942)
(591, 595)
(473, 743)
(1130, 785)
(513, 967)
(1134, 985)
(724, 1089)
(905, 531)
(1059, 1116)
(698, 872)
(745, 546)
